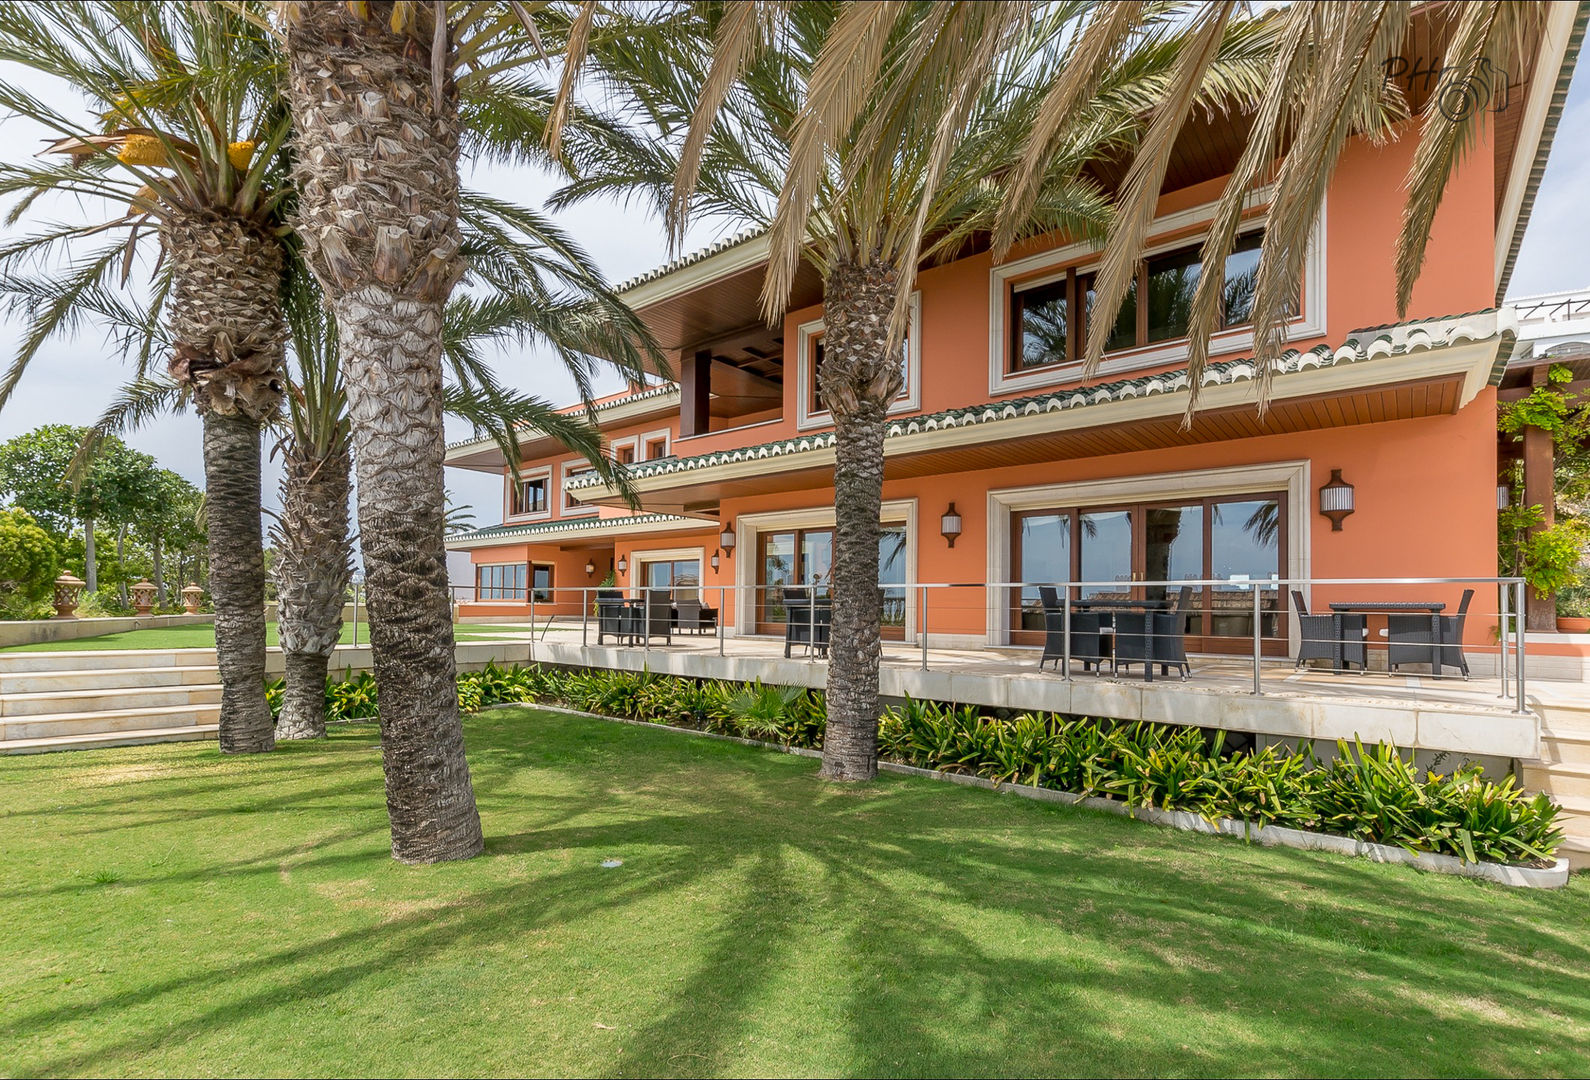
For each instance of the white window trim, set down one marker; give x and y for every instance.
(637, 577)
(1309, 323)
(910, 399)
(749, 526)
(540, 472)
(647, 437)
(1293, 477)
(633, 442)
(566, 469)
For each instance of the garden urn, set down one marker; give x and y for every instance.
(68, 591)
(191, 597)
(143, 597)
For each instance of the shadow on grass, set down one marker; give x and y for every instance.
(903, 928)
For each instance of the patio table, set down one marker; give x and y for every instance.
(1128, 605)
(1391, 607)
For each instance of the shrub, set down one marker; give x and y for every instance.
(29, 563)
(1371, 793)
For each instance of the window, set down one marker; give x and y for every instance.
(1049, 320)
(571, 504)
(529, 496)
(500, 582)
(814, 397)
(656, 448)
(541, 580)
(624, 454)
(681, 577)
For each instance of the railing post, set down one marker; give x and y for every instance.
(356, 613)
(1501, 638)
(1258, 686)
(811, 623)
(1518, 644)
(532, 615)
(645, 636)
(923, 605)
(1065, 633)
(585, 617)
(722, 612)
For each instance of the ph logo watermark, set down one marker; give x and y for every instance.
(1458, 91)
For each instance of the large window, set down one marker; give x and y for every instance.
(530, 496)
(501, 582)
(681, 577)
(806, 557)
(1049, 320)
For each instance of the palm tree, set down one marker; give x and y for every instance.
(183, 150)
(375, 91)
(890, 188)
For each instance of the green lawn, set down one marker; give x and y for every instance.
(202, 636)
(169, 911)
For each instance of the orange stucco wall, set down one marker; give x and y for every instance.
(1425, 488)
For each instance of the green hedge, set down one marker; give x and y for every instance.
(1370, 793)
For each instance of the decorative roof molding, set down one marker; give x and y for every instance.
(661, 390)
(628, 524)
(742, 237)
(1366, 345)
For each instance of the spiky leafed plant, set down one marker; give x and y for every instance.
(892, 189)
(180, 150)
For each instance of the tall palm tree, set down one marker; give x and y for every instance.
(383, 94)
(185, 153)
(893, 186)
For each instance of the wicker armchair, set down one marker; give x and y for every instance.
(806, 622)
(1412, 638)
(1317, 636)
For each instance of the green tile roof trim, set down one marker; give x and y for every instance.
(744, 236)
(1365, 345)
(590, 524)
(658, 391)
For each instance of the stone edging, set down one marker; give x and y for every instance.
(1526, 877)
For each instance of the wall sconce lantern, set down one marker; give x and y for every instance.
(590, 568)
(1504, 496)
(726, 539)
(950, 524)
(714, 560)
(623, 565)
(1336, 500)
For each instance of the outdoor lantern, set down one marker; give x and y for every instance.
(726, 541)
(1336, 500)
(68, 591)
(143, 597)
(714, 560)
(623, 564)
(191, 597)
(590, 568)
(950, 524)
(1504, 496)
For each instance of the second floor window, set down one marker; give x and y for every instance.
(529, 496)
(815, 391)
(1049, 320)
(570, 503)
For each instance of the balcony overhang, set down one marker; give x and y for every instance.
(583, 532)
(1382, 373)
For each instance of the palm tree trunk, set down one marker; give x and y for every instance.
(377, 167)
(228, 334)
(312, 570)
(859, 379)
(237, 579)
(90, 563)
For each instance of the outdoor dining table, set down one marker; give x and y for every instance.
(1389, 607)
(1147, 606)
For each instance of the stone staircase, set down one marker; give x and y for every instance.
(1563, 772)
(75, 700)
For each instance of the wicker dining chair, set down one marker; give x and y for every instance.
(1412, 640)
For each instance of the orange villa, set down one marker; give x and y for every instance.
(1004, 466)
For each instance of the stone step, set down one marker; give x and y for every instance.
(1576, 851)
(91, 740)
(1565, 743)
(53, 725)
(138, 678)
(104, 659)
(119, 699)
(1560, 780)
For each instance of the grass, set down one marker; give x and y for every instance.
(171, 911)
(202, 636)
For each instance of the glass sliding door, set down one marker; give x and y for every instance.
(680, 577)
(806, 557)
(1235, 538)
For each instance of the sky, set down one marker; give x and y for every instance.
(72, 379)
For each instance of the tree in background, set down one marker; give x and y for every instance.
(170, 523)
(29, 561)
(66, 477)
